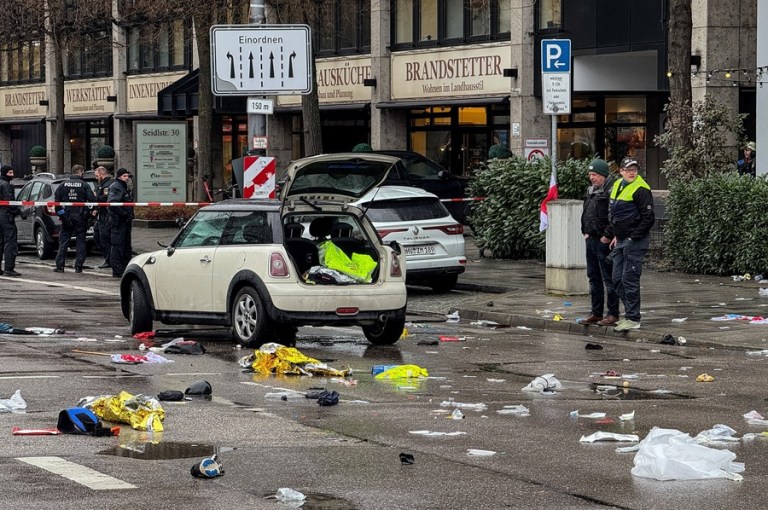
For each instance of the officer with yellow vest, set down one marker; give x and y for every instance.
(631, 217)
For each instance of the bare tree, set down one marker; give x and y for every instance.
(679, 66)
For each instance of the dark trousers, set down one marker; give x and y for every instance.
(628, 259)
(600, 274)
(121, 246)
(104, 235)
(9, 246)
(78, 227)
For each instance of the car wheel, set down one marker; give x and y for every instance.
(139, 313)
(387, 334)
(44, 248)
(249, 320)
(444, 283)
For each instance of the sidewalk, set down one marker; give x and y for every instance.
(519, 299)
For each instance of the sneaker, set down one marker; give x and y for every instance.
(11, 273)
(610, 320)
(626, 325)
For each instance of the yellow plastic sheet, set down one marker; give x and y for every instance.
(274, 358)
(360, 266)
(139, 411)
(402, 372)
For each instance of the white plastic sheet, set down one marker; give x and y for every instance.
(545, 384)
(668, 454)
(608, 436)
(15, 403)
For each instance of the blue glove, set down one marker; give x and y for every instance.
(61, 212)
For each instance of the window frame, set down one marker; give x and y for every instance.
(145, 55)
(27, 70)
(338, 18)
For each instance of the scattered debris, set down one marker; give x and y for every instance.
(287, 495)
(472, 407)
(495, 380)
(18, 431)
(485, 324)
(434, 433)
(517, 410)
(453, 317)
(15, 403)
(608, 436)
(591, 416)
(680, 320)
(718, 433)
(627, 416)
(474, 452)
(428, 342)
(199, 388)
(79, 420)
(131, 359)
(755, 418)
(324, 398)
(593, 347)
(139, 411)
(273, 358)
(170, 396)
(704, 378)
(456, 415)
(545, 384)
(403, 372)
(407, 459)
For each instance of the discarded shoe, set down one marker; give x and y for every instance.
(609, 320)
(593, 347)
(626, 325)
(208, 468)
(592, 319)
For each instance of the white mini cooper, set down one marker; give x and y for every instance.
(265, 267)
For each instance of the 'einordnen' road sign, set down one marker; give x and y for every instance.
(261, 59)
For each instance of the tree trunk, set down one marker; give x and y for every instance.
(205, 159)
(310, 106)
(679, 64)
(59, 132)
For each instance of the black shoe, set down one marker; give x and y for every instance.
(78, 270)
(58, 269)
(11, 273)
(116, 275)
(104, 265)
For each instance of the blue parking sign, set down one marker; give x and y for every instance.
(556, 56)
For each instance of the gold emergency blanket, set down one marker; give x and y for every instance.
(274, 358)
(139, 411)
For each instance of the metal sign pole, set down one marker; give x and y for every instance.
(554, 142)
(257, 123)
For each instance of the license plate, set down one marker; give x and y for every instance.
(419, 250)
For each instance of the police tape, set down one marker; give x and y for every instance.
(27, 203)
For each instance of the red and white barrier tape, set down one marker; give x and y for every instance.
(101, 204)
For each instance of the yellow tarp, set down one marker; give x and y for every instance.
(403, 372)
(274, 358)
(360, 266)
(139, 411)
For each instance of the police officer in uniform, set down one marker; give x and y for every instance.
(121, 218)
(103, 223)
(74, 220)
(8, 232)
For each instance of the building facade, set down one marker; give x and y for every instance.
(445, 78)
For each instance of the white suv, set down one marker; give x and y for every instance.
(249, 265)
(432, 240)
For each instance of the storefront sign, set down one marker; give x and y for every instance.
(453, 73)
(339, 81)
(161, 161)
(20, 102)
(143, 90)
(81, 98)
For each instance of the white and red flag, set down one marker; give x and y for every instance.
(551, 195)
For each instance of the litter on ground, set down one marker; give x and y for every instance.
(608, 436)
(273, 358)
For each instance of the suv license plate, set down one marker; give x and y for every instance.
(419, 250)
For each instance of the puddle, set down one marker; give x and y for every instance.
(317, 501)
(161, 451)
(634, 393)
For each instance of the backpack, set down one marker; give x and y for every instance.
(79, 420)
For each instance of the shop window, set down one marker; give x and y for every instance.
(446, 22)
(576, 143)
(550, 14)
(22, 62)
(90, 55)
(474, 116)
(622, 110)
(159, 47)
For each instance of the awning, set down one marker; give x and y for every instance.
(432, 102)
(181, 99)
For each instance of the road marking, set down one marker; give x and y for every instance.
(77, 473)
(30, 377)
(63, 285)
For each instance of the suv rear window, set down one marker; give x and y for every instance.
(409, 209)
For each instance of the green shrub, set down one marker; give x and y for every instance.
(105, 151)
(717, 225)
(164, 213)
(37, 151)
(507, 221)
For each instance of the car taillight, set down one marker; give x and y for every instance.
(347, 310)
(277, 266)
(384, 232)
(451, 230)
(395, 269)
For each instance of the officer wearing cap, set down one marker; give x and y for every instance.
(121, 218)
(594, 227)
(9, 247)
(74, 220)
(104, 231)
(631, 217)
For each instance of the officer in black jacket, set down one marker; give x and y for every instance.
(103, 224)
(74, 220)
(9, 247)
(121, 218)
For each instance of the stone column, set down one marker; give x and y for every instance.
(123, 128)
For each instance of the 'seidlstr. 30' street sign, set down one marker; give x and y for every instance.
(261, 60)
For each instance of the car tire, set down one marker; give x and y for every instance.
(139, 312)
(249, 319)
(387, 334)
(444, 283)
(45, 248)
